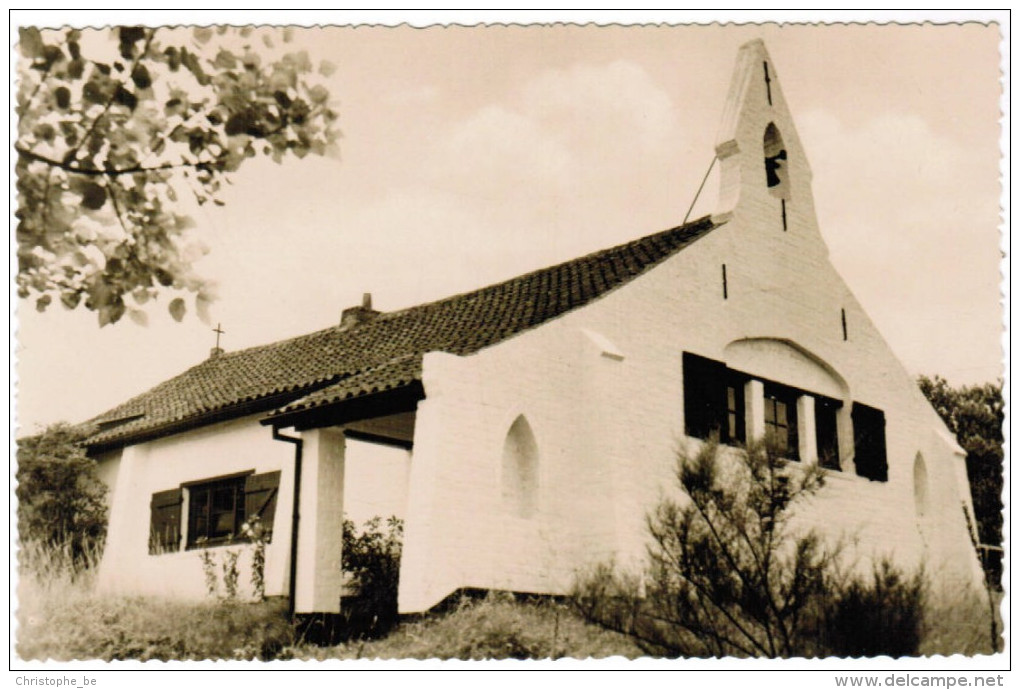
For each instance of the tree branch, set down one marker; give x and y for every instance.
(98, 172)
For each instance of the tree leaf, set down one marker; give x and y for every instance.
(326, 68)
(138, 316)
(177, 309)
(140, 76)
(125, 98)
(202, 34)
(63, 97)
(111, 312)
(30, 42)
(93, 196)
(225, 60)
(131, 34)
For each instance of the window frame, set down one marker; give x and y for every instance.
(194, 539)
(775, 395)
(827, 449)
(716, 423)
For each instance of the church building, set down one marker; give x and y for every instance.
(523, 431)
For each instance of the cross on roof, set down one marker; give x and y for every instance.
(218, 331)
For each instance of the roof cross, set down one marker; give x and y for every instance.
(218, 331)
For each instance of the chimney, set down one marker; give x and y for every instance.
(352, 316)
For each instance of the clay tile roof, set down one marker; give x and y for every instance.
(338, 363)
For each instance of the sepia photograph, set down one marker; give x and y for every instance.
(546, 341)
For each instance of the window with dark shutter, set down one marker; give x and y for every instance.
(165, 521)
(215, 512)
(260, 492)
(826, 434)
(869, 442)
(705, 396)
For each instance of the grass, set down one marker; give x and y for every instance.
(496, 627)
(61, 617)
(962, 626)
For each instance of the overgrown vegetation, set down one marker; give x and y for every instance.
(729, 575)
(975, 414)
(496, 627)
(61, 617)
(371, 565)
(61, 500)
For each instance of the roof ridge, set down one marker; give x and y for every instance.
(461, 324)
(577, 259)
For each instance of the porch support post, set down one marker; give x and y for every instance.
(320, 532)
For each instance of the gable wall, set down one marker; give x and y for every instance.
(606, 429)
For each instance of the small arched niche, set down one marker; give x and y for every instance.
(921, 498)
(777, 176)
(520, 469)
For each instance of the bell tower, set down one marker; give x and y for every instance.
(764, 173)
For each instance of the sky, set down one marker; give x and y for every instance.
(471, 155)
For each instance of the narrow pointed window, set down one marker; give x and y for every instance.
(520, 470)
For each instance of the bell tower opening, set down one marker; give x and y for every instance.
(776, 173)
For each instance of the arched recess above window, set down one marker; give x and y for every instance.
(921, 499)
(520, 469)
(776, 170)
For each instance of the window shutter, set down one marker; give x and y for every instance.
(260, 492)
(826, 432)
(869, 442)
(165, 521)
(704, 396)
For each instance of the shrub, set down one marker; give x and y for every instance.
(729, 576)
(880, 616)
(371, 563)
(61, 501)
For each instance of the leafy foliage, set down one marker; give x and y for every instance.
(729, 575)
(371, 562)
(61, 500)
(114, 124)
(254, 530)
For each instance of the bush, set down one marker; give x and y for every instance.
(882, 616)
(729, 576)
(61, 501)
(371, 564)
